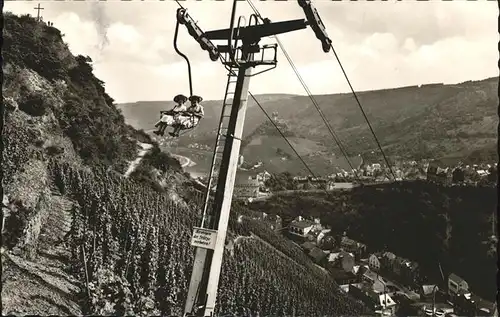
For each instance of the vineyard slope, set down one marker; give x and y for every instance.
(80, 238)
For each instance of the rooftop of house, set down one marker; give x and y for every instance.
(373, 276)
(411, 265)
(389, 255)
(246, 180)
(455, 278)
(375, 256)
(333, 256)
(428, 289)
(401, 260)
(379, 298)
(302, 224)
(484, 305)
(346, 240)
(339, 273)
(317, 254)
(308, 245)
(359, 269)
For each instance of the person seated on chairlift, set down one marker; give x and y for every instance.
(168, 118)
(191, 117)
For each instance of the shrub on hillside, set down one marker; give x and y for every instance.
(282, 181)
(27, 44)
(88, 117)
(144, 174)
(162, 161)
(153, 162)
(97, 132)
(15, 224)
(17, 149)
(34, 104)
(54, 150)
(140, 135)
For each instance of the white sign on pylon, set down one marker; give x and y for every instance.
(204, 238)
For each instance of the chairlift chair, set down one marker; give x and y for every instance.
(181, 20)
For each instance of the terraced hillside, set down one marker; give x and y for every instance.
(80, 238)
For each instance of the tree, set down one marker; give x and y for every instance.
(493, 174)
(458, 175)
(282, 181)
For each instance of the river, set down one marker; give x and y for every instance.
(190, 166)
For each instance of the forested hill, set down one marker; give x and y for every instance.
(81, 239)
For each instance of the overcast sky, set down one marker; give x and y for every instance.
(381, 44)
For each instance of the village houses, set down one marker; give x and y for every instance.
(427, 291)
(301, 229)
(381, 303)
(404, 270)
(342, 259)
(465, 303)
(387, 261)
(273, 221)
(349, 245)
(456, 285)
(469, 304)
(374, 262)
(365, 283)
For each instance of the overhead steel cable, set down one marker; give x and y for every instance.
(363, 112)
(180, 5)
(276, 126)
(310, 95)
(279, 131)
(282, 134)
(350, 86)
(285, 138)
(336, 139)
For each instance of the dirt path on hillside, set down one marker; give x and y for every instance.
(133, 165)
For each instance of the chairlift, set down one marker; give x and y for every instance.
(183, 18)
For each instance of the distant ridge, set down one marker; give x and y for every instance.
(432, 120)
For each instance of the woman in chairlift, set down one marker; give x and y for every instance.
(169, 118)
(191, 117)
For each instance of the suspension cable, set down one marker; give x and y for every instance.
(275, 125)
(282, 134)
(352, 90)
(363, 112)
(310, 95)
(180, 5)
(286, 139)
(336, 139)
(278, 129)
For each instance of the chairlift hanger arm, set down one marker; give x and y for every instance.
(255, 32)
(184, 56)
(195, 31)
(316, 24)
